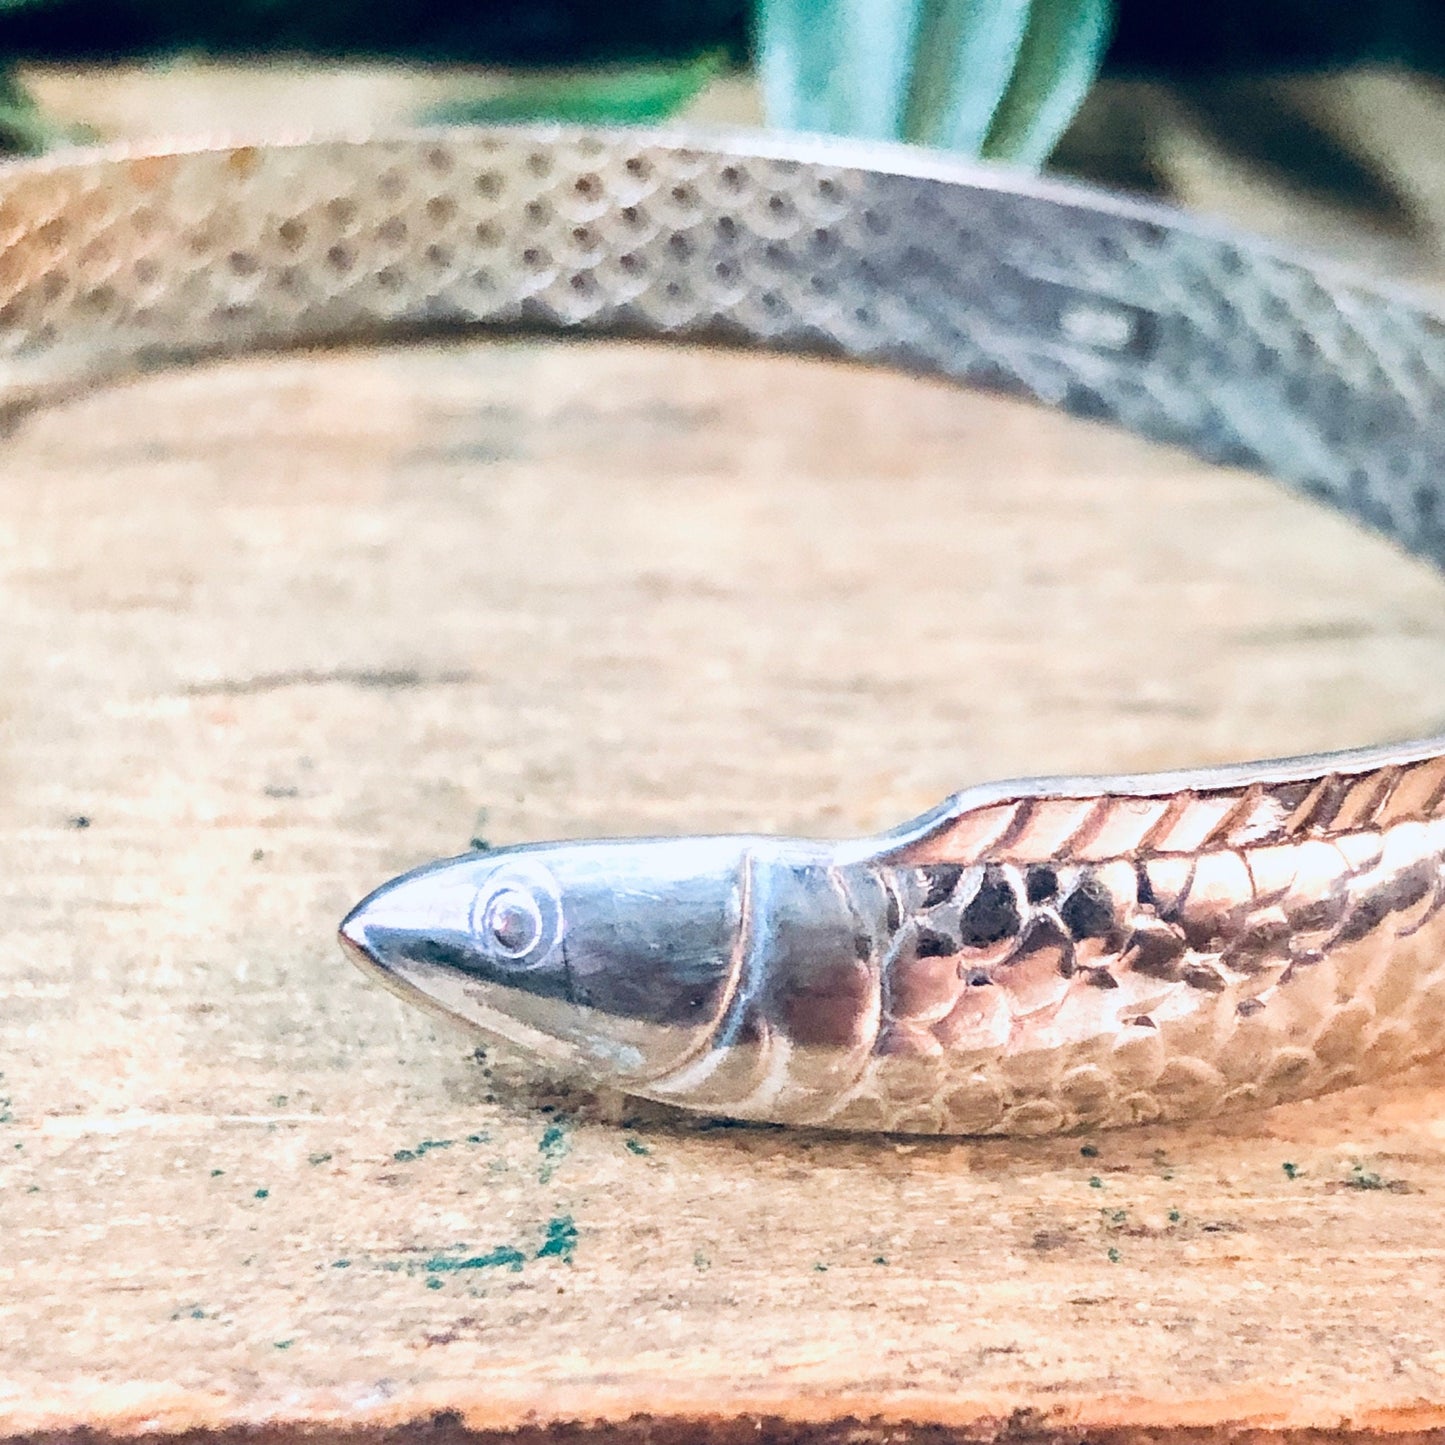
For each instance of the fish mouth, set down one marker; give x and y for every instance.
(352, 936)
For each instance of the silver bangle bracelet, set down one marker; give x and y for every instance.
(1030, 956)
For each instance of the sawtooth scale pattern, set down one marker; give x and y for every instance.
(1067, 962)
(1048, 958)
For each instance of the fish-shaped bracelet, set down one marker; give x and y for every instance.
(1029, 957)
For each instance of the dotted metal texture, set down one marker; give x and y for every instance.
(109, 262)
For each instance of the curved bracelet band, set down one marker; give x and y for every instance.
(1029, 957)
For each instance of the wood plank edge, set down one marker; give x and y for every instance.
(1254, 1421)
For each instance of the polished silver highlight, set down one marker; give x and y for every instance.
(1027, 958)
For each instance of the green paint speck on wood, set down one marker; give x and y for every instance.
(1362, 1178)
(1095, 1182)
(406, 1156)
(552, 1146)
(503, 1257)
(263, 1194)
(561, 1240)
(636, 1146)
(1291, 1170)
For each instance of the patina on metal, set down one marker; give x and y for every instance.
(1030, 957)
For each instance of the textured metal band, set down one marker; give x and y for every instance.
(1301, 899)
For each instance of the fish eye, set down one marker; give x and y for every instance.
(517, 918)
(512, 922)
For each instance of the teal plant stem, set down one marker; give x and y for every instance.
(632, 95)
(1063, 48)
(837, 66)
(995, 78)
(22, 127)
(963, 62)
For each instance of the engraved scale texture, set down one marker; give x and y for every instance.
(1120, 960)
(1035, 962)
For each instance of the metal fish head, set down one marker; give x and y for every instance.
(611, 959)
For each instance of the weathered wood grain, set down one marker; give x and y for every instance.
(275, 630)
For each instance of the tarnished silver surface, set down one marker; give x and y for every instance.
(1031, 956)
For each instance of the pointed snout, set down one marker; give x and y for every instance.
(423, 917)
(352, 937)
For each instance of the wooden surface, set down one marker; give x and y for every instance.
(278, 629)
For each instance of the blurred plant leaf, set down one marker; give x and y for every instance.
(1000, 78)
(964, 58)
(630, 96)
(24, 127)
(1302, 145)
(1116, 141)
(1058, 62)
(841, 67)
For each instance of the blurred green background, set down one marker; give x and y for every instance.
(1001, 79)
(1152, 35)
